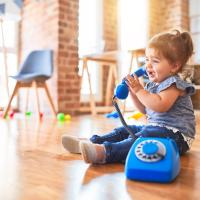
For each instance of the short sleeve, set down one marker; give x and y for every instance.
(150, 86)
(180, 84)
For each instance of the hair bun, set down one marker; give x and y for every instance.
(186, 38)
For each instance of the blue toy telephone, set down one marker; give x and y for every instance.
(153, 159)
(121, 91)
(149, 159)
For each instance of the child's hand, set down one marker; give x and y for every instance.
(133, 83)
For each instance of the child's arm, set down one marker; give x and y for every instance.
(160, 102)
(137, 103)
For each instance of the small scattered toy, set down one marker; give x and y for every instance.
(11, 114)
(41, 115)
(67, 117)
(28, 113)
(137, 115)
(1, 113)
(113, 114)
(60, 116)
(63, 117)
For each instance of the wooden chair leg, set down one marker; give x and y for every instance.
(17, 86)
(37, 97)
(50, 99)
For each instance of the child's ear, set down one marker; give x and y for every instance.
(176, 68)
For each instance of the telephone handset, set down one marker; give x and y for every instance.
(153, 159)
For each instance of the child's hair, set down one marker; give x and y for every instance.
(174, 46)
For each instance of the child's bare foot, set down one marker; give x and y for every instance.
(93, 153)
(72, 143)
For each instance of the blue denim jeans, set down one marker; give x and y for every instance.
(118, 142)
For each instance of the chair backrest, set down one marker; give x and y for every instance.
(39, 62)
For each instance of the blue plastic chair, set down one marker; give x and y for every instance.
(37, 66)
(36, 69)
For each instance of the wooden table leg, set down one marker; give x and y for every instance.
(131, 63)
(92, 99)
(109, 84)
(115, 75)
(130, 69)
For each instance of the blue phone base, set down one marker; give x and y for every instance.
(153, 159)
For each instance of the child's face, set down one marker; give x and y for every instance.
(158, 68)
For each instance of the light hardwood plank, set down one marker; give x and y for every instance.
(33, 165)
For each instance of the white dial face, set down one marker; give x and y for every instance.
(150, 156)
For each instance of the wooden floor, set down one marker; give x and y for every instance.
(34, 166)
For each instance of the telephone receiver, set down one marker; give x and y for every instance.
(121, 91)
(153, 159)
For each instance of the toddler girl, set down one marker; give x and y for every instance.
(165, 100)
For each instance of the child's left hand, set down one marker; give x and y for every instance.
(133, 83)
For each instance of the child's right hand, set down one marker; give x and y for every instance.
(133, 83)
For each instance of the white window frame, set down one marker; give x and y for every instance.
(11, 69)
(194, 13)
(91, 44)
(133, 32)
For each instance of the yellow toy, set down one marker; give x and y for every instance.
(68, 117)
(137, 115)
(63, 117)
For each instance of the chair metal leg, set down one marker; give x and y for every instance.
(11, 98)
(50, 99)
